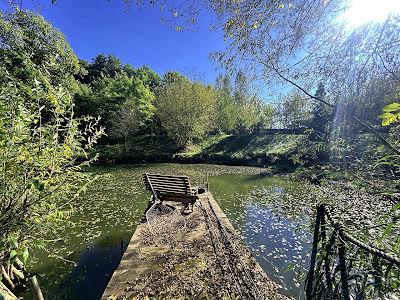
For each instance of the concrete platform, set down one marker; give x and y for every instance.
(197, 256)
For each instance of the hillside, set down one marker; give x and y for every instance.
(251, 149)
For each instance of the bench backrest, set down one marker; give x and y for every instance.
(167, 184)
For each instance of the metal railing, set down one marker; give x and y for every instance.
(343, 267)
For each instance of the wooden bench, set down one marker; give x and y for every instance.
(170, 188)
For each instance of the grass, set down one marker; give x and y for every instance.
(249, 149)
(251, 145)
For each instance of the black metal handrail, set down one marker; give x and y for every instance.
(341, 265)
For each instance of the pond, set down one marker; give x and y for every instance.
(269, 212)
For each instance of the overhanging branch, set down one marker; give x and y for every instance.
(357, 120)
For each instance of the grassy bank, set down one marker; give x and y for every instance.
(274, 150)
(252, 149)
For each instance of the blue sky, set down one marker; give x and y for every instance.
(135, 35)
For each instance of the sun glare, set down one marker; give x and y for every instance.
(363, 11)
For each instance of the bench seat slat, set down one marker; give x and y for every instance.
(177, 183)
(161, 193)
(181, 187)
(171, 178)
(178, 188)
(166, 184)
(171, 191)
(179, 198)
(168, 178)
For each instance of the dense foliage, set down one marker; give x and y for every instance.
(185, 110)
(134, 102)
(43, 146)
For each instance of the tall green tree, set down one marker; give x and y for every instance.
(249, 114)
(135, 115)
(171, 77)
(40, 171)
(267, 116)
(295, 111)
(321, 114)
(29, 45)
(105, 97)
(101, 66)
(237, 110)
(148, 77)
(104, 66)
(391, 117)
(185, 109)
(226, 109)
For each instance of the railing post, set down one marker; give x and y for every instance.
(343, 269)
(327, 247)
(36, 289)
(310, 275)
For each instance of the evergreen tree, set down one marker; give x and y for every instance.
(320, 113)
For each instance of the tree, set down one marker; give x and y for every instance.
(148, 77)
(29, 44)
(237, 110)
(126, 122)
(241, 88)
(267, 117)
(135, 114)
(375, 95)
(295, 111)
(40, 167)
(391, 116)
(102, 66)
(320, 113)
(105, 97)
(185, 109)
(129, 70)
(171, 77)
(249, 113)
(226, 111)
(43, 146)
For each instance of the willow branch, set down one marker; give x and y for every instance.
(360, 122)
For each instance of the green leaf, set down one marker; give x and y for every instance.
(388, 229)
(13, 241)
(391, 114)
(396, 207)
(25, 256)
(13, 254)
(392, 107)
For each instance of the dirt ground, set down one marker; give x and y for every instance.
(195, 256)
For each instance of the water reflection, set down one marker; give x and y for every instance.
(277, 234)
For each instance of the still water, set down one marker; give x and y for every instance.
(272, 214)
